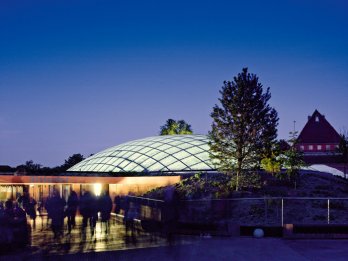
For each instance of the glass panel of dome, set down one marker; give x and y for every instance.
(164, 147)
(137, 148)
(190, 161)
(112, 161)
(85, 167)
(104, 168)
(172, 150)
(97, 167)
(181, 154)
(138, 169)
(145, 150)
(177, 166)
(152, 152)
(130, 166)
(141, 158)
(118, 161)
(200, 166)
(203, 156)
(106, 160)
(157, 167)
(116, 169)
(194, 150)
(168, 160)
(123, 164)
(148, 162)
(196, 142)
(120, 153)
(93, 161)
(174, 142)
(127, 154)
(160, 155)
(101, 155)
(185, 145)
(134, 156)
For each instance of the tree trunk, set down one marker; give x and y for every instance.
(238, 172)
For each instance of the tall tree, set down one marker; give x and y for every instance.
(244, 127)
(72, 160)
(173, 127)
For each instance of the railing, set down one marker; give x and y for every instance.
(273, 211)
(147, 208)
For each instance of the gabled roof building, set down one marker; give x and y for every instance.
(319, 141)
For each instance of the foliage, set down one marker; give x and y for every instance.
(343, 149)
(173, 127)
(244, 126)
(72, 160)
(293, 159)
(202, 185)
(32, 168)
(271, 164)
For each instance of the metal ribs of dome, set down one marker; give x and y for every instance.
(169, 153)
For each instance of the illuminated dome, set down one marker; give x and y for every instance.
(168, 153)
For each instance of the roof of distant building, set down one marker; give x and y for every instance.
(318, 130)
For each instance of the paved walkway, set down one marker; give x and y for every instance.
(117, 245)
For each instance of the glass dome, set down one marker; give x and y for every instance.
(168, 153)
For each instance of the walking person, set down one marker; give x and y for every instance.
(89, 211)
(71, 210)
(105, 205)
(23, 200)
(56, 206)
(118, 201)
(31, 210)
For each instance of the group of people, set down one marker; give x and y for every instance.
(89, 206)
(13, 224)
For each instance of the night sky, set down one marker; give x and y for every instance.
(81, 76)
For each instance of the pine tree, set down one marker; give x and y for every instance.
(244, 126)
(173, 127)
(293, 159)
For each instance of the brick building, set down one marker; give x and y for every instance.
(319, 141)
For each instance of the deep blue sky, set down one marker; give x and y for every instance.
(80, 76)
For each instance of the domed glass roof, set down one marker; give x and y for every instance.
(168, 153)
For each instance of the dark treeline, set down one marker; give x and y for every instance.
(33, 168)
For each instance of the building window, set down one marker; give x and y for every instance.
(302, 147)
(328, 147)
(317, 119)
(318, 147)
(310, 147)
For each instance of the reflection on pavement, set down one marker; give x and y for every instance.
(43, 241)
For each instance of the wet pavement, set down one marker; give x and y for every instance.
(44, 244)
(119, 245)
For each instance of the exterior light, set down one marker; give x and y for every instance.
(97, 189)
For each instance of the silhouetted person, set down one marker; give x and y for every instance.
(88, 210)
(23, 200)
(8, 221)
(31, 210)
(105, 207)
(19, 214)
(73, 203)
(55, 206)
(131, 213)
(117, 202)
